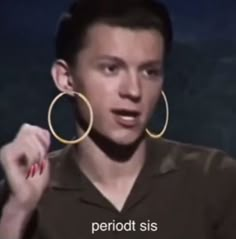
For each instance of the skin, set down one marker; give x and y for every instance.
(118, 68)
(110, 83)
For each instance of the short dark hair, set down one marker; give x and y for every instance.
(134, 14)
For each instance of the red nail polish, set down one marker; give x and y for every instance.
(28, 173)
(37, 167)
(42, 166)
(33, 170)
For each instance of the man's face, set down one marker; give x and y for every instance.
(120, 71)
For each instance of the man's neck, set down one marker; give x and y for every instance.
(105, 169)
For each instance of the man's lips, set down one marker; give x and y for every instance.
(126, 117)
(126, 112)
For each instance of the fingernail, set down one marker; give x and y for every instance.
(36, 167)
(28, 173)
(42, 166)
(33, 170)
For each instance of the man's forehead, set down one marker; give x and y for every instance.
(114, 30)
(120, 41)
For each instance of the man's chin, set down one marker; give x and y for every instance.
(125, 140)
(119, 137)
(117, 144)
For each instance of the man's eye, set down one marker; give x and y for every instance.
(153, 72)
(110, 69)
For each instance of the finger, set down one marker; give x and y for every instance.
(29, 147)
(42, 166)
(44, 137)
(33, 170)
(29, 172)
(30, 153)
(26, 130)
(36, 168)
(36, 148)
(32, 157)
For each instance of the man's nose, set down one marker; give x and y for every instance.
(130, 87)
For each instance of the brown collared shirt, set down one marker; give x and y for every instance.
(182, 192)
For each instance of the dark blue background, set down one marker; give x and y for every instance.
(200, 80)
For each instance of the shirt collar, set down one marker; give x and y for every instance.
(162, 156)
(65, 173)
(161, 159)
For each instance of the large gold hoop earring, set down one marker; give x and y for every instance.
(64, 141)
(156, 136)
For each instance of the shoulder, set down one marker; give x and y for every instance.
(212, 171)
(208, 160)
(57, 157)
(210, 174)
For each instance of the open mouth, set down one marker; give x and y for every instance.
(125, 117)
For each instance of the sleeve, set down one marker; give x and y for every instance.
(221, 195)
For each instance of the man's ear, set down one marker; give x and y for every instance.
(61, 75)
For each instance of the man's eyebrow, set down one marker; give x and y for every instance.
(147, 63)
(151, 63)
(109, 57)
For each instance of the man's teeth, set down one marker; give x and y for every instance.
(128, 117)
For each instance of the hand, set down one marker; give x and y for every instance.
(24, 161)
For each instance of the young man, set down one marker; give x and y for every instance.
(117, 183)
